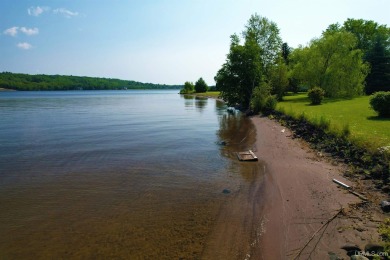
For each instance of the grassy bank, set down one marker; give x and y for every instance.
(213, 94)
(353, 118)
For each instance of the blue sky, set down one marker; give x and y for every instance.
(158, 41)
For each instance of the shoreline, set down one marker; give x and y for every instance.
(300, 197)
(6, 90)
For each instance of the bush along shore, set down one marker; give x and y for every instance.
(364, 164)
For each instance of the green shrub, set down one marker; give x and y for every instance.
(270, 104)
(188, 88)
(316, 95)
(380, 102)
(259, 97)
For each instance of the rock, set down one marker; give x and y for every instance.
(358, 257)
(333, 256)
(374, 248)
(226, 191)
(221, 143)
(351, 249)
(385, 205)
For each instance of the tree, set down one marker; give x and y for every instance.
(278, 79)
(188, 88)
(286, 50)
(249, 64)
(241, 72)
(332, 63)
(379, 57)
(201, 86)
(266, 34)
(374, 40)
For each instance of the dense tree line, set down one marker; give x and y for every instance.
(350, 59)
(346, 61)
(24, 82)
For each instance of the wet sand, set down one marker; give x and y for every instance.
(300, 197)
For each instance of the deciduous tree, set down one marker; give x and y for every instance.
(249, 64)
(374, 40)
(333, 63)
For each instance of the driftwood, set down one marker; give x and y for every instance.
(318, 230)
(349, 188)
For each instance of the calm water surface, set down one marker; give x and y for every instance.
(115, 174)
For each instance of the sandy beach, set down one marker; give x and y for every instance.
(300, 198)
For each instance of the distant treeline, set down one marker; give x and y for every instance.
(25, 82)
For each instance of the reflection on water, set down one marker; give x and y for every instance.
(105, 175)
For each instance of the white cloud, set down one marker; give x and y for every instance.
(13, 31)
(24, 45)
(37, 11)
(29, 31)
(65, 12)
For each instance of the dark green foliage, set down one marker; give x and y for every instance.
(241, 72)
(380, 102)
(270, 104)
(278, 79)
(259, 97)
(250, 63)
(188, 88)
(262, 100)
(293, 85)
(201, 86)
(379, 58)
(374, 40)
(19, 81)
(286, 50)
(316, 95)
(213, 88)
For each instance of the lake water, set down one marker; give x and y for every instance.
(115, 174)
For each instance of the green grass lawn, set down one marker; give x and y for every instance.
(214, 94)
(365, 127)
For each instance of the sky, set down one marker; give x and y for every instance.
(156, 41)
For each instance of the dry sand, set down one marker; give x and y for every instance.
(300, 198)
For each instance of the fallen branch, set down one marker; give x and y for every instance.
(318, 230)
(349, 188)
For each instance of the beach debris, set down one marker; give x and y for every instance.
(226, 191)
(325, 225)
(231, 110)
(222, 143)
(247, 156)
(385, 205)
(349, 188)
(341, 184)
(283, 130)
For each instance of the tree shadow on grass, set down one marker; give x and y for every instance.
(378, 118)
